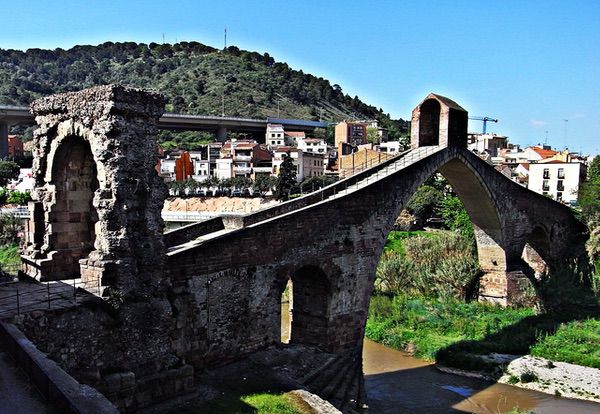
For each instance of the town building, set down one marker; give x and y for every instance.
(352, 133)
(313, 165)
(275, 135)
(390, 147)
(15, 147)
(556, 179)
(486, 143)
(314, 145)
(307, 164)
(243, 158)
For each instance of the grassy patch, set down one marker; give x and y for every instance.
(576, 342)
(429, 325)
(260, 403)
(276, 404)
(9, 255)
(395, 239)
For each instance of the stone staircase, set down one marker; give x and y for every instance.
(339, 381)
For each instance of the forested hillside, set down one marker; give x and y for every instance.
(197, 79)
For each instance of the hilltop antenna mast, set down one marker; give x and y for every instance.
(225, 39)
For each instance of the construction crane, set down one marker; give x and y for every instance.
(485, 120)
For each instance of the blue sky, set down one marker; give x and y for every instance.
(531, 64)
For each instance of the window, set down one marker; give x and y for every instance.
(546, 173)
(561, 173)
(559, 196)
(545, 185)
(560, 186)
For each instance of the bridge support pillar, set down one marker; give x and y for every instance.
(222, 134)
(3, 140)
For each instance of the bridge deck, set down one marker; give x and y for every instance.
(337, 190)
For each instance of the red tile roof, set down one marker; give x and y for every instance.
(544, 153)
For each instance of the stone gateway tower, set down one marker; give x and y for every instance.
(97, 197)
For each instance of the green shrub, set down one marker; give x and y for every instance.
(18, 197)
(528, 376)
(440, 266)
(10, 227)
(429, 325)
(575, 342)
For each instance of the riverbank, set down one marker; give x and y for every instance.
(491, 342)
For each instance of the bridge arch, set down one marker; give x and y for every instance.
(480, 203)
(309, 294)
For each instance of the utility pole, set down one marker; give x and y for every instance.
(565, 138)
(225, 39)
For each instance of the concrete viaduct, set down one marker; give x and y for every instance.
(17, 115)
(210, 292)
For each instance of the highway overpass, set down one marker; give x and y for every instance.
(20, 115)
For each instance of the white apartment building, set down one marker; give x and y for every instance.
(314, 145)
(390, 147)
(275, 136)
(559, 180)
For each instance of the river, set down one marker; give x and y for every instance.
(398, 383)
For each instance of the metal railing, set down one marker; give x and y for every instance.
(17, 298)
(20, 212)
(403, 160)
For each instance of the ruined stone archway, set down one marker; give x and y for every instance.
(97, 196)
(71, 218)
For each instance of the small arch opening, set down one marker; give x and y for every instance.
(72, 218)
(534, 252)
(287, 306)
(429, 123)
(304, 307)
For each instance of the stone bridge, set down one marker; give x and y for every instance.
(209, 293)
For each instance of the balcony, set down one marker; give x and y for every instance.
(259, 170)
(242, 170)
(246, 158)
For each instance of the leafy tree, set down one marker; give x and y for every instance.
(211, 181)
(263, 184)
(456, 217)
(425, 202)
(372, 135)
(286, 180)
(316, 182)
(9, 170)
(589, 194)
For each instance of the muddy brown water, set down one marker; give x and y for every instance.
(397, 383)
